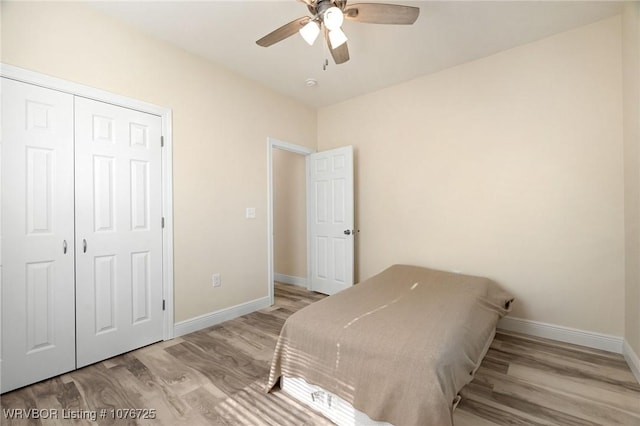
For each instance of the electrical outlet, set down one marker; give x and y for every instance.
(250, 213)
(217, 281)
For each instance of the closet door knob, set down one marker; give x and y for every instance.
(84, 245)
(64, 247)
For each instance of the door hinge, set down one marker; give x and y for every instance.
(163, 304)
(161, 141)
(162, 222)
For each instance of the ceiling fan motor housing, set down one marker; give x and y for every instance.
(321, 7)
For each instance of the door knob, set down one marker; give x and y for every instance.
(347, 232)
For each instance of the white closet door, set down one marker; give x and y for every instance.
(118, 230)
(38, 314)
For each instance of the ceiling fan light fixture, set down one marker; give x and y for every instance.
(337, 38)
(333, 18)
(310, 32)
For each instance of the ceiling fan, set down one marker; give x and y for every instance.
(329, 16)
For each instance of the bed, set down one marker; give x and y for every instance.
(397, 347)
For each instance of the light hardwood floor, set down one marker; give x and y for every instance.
(216, 377)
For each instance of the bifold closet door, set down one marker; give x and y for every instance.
(38, 307)
(118, 230)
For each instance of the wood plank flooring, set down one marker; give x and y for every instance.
(216, 376)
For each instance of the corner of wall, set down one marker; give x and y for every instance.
(631, 131)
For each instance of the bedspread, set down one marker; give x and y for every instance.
(398, 346)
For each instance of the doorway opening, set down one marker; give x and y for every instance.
(288, 251)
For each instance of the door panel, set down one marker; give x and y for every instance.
(331, 214)
(39, 192)
(105, 294)
(118, 220)
(140, 287)
(103, 203)
(140, 195)
(38, 308)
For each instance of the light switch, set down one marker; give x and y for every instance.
(251, 212)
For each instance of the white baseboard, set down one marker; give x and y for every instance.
(207, 320)
(289, 279)
(564, 334)
(632, 359)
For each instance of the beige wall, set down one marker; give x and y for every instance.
(510, 167)
(631, 75)
(219, 161)
(289, 214)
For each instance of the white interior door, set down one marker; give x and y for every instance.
(331, 219)
(118, 230)
(38, 314)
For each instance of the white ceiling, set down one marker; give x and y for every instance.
(446, 33)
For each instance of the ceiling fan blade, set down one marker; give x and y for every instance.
(381, 13)
(341, 53)
(283, 32)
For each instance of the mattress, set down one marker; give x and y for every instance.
(398, 346)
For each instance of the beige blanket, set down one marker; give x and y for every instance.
(398, 346)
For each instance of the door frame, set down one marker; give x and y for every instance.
(76, 89)
(273, 143)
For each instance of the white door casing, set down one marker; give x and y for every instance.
(118, 230)
(38, 311)
(273, 143)
(331, 219)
